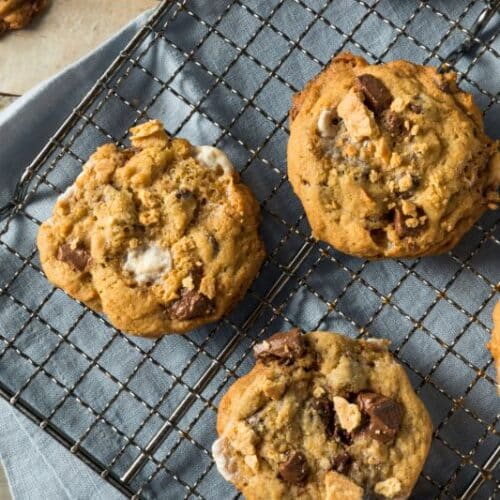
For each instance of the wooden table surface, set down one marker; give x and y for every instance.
(4, 489)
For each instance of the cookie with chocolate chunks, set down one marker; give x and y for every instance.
(398, 162)
(161, 237)
(322, 415)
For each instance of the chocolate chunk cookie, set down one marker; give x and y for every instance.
(17, 14)
(162, 237)
(390, 160)
(322, 416)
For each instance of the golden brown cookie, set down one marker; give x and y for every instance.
(390, 160)
(162, 237)
(322, 416)
(494, 344)
(17, 14)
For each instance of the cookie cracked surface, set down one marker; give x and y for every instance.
(162, 237)
(17, 14)
(390, 160)
(322, 416)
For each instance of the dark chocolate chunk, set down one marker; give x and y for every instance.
(377, 95)
(196, 275)
(379, 237)
(341, 463)
(214, 243)
(399, 223)
(191, 304)
(384, 414)
(295, 469)
(341, 435)
(78, 257)
(393, 123)
(326, 413)
(282, 346)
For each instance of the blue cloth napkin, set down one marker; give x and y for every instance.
(38, 467)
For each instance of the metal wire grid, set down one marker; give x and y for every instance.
(103, 393)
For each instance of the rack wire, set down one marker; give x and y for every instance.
(157, 413)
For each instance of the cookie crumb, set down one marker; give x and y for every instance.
(405, 183)
(374, 176)
(348, 414)
(388, 488)
(378, 96)
(339, 487)
(253, 462)
(358, 119)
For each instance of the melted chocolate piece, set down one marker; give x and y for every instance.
(384, 414)
(341, 463)
(393, 123)
(326, 413)
(283, 346)
(377, 95)
(78, 258)
(191, 304)
(184, 194)
(341, 435)
(295, 469)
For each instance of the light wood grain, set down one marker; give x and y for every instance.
(68, 30)
(4, 489)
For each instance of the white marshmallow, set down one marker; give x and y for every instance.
(221, 461)
(213, 158)
(148, 263)
(326, 127)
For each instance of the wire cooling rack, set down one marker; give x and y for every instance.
(87, 384)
